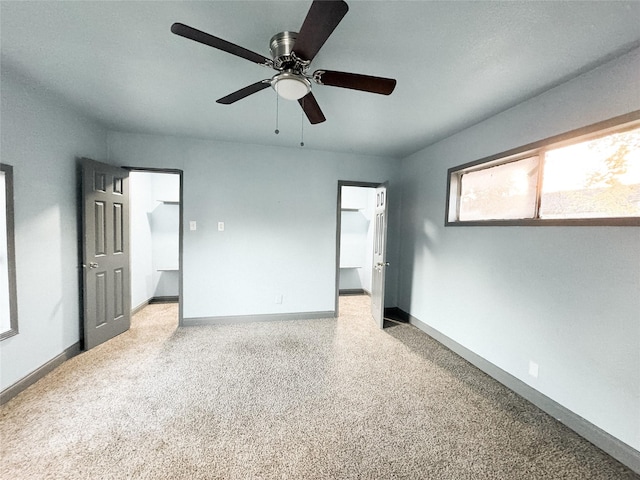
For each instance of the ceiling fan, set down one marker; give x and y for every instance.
(292, 53)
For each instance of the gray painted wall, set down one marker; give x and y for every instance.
(279, 206)
(565, 297)
(42, 137)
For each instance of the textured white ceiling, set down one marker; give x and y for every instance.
(456, 63)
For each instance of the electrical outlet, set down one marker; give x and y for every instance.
(279, 298)
(533, 369)
(221, 226)
(192, 225)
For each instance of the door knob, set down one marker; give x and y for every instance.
(382, 264)
(93, 265)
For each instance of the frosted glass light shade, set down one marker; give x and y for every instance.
(291, 87)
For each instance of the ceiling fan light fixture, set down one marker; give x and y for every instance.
(291, 86)
(292, 54)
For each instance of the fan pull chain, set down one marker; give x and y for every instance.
(302, 125)
(277, 102)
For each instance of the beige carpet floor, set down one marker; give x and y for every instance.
(308, 399)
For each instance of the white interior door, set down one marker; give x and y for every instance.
(379, 255)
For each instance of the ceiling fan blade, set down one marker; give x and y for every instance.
(215, 42)
(355, 81)
(311, 109)
(244, 92)
(322, 19)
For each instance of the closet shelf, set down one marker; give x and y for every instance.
(170, 202)
(169, 269)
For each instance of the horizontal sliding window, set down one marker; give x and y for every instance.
(503, 191)
(593, 179)
(586, 177)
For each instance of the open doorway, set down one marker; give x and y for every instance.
(156, 237)
(357, 211)
(355, 238)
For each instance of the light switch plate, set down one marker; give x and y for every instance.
(192, 225)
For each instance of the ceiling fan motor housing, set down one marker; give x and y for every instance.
(281, 46)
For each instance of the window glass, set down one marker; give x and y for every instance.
(504, 191)
(593, 179)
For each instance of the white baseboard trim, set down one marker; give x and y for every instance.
(136, 309)
(22, 384)
(270, 317)
(619, 450)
